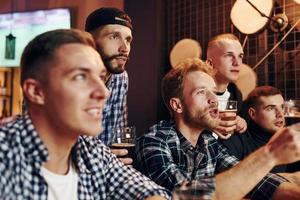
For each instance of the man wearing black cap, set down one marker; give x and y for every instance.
(111, 29)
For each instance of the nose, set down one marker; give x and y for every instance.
(124, 46)
(100, 90)
(237, 61)
(279, 112)
(212, 99)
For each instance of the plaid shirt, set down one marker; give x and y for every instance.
(101, 175)
(168, 158)
(115, 109)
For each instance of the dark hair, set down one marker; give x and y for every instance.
(172, 83)
(253, 99)
(40, 51)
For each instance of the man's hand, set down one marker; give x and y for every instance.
(284, 146)
(226, 127)
(241, 124)
(121, 153)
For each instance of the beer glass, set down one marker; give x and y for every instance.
(124, 138)
(227, 106)
(292, 111)
(195, 190)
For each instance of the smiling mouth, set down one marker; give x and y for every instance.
(95, 112)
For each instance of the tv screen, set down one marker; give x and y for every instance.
(25, 26)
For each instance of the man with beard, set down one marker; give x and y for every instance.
(111, 29)
(225, 55)
(183, 149)
(265, 109)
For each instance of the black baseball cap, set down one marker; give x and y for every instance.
(105, 16)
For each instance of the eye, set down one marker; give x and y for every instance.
(201, 91)
(114, 36)
(271, 108)
(79, 77)
(129, 40)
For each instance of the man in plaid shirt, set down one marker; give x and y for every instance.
(112, 31)
(52, 152)
(184, 149)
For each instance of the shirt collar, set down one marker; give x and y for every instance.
(37, 152)
(186, 145)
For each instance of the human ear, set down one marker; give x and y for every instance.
(33, 91)
(209, 61)
(252, 113)
(175, 104)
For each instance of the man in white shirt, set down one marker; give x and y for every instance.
(55, 143)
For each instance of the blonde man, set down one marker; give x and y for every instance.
(225, 54)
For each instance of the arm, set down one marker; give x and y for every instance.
(284, 147)
(122, 118)
(156, 161)
(125, 182)
(124, 84)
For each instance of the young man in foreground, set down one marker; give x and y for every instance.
(52, 152)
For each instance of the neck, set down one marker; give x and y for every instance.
(58, 142)
(221, 84)
(259, 133)
(190, 133)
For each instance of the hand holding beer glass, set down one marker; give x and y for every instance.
(124, 139)
(227, 113)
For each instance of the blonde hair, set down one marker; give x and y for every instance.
(172, 83)
(216, 42)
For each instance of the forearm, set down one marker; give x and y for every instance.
(236, 182)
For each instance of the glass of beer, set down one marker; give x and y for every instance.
(228, 106)
(292, 111)
(124, 138)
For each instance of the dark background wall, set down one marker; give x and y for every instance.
(148, 63)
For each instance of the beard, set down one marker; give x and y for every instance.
(200, 118)
(108, 62)
(114, 69)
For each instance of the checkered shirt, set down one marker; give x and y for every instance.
(115, 110)
(101, 174)
(168, 158)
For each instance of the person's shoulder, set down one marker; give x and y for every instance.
(162, 128)
(162, 131)
(91, 144)
(14, 139)
(13, 130)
